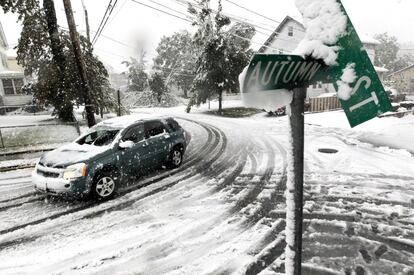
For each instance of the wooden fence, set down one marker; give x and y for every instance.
(322, 104)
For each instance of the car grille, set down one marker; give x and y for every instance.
(48, 174)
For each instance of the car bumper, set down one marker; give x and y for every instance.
(58, 186)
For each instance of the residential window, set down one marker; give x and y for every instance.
(12, 86)
(18, 84)
(290, 31)
(8, 86)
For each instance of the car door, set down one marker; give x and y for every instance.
(157, 138)
(135, 158)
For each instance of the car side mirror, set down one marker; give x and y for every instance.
(126, 144)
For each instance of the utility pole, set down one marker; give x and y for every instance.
(79, 62)
(118, 93)
(64, 106)
(294, 195)
(88, 31)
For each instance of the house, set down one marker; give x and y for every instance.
(287, 36)
(11, 78)
(404, 80)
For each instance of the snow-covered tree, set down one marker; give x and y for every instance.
(222, 55)
(387, 53)
(176, 60)
(238, 53)
(138, 78)
(46, 53)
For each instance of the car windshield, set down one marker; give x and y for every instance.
(99, 137)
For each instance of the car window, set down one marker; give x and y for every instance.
(173, 125)
(153, 128)
(99, 137)
(135, 134)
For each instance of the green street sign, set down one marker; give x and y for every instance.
(368, 98)
(272, 72)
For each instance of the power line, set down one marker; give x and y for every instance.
(176, 16)
(261, 15)
(105, 23)
(184, 19)
(117, 12)
(111, 53)
(241, 20)
(159, 4)
(103, 18)
(232, 16)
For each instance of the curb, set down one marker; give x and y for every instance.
(16, 167)
(26, 152)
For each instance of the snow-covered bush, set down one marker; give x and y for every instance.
(149, 99)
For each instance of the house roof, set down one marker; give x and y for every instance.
(402, 70)
(277, 31)
(365, 39)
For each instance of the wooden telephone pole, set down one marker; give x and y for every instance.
(80, 63)
(88, 31)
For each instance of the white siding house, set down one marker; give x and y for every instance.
(287, 36)
(11, 79)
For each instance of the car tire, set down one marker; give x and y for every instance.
(104, 185)
(176, 157)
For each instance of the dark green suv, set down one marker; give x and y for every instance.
(110, 153)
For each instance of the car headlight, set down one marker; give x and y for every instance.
(75, 171)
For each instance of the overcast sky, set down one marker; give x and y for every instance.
(134, 25)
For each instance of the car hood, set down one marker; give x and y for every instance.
(70, 154)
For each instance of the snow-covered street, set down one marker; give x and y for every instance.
(223, 211)
(206, 137)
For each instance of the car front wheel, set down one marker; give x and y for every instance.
(104, 186)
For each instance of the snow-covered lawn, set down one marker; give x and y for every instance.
(392, 132)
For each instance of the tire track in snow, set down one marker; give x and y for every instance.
(201, 161)
(207, 151)
(37, 197)
(266, 255)
(217, 171)
(244, 180)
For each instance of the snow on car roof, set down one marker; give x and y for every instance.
(125, 121)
